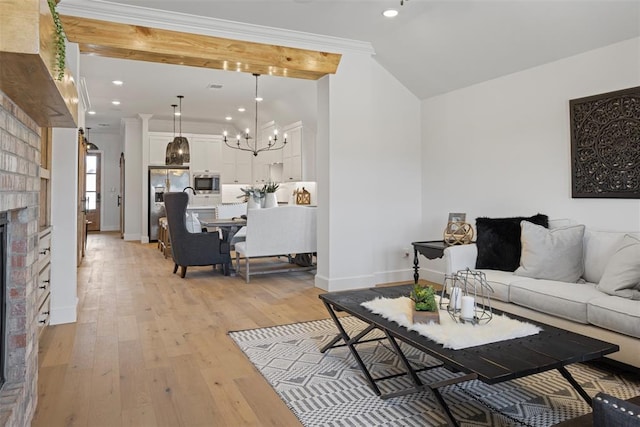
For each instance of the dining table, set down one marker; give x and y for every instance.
(228, 226)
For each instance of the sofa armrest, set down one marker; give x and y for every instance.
(460, 257)
(611, 411)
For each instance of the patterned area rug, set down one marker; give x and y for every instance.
(329, 390)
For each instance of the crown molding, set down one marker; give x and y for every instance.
(175, 21)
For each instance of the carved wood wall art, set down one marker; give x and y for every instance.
(605, 145)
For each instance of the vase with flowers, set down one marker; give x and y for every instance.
(253, 196)
(269, 190)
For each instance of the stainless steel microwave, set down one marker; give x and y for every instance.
(205, 182)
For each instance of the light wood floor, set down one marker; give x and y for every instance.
(151, 349)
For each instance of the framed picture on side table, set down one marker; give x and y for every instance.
(457, 217)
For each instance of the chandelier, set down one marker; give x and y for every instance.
(251, 143)
(177, 151)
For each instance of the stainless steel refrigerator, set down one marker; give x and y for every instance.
(163, 180)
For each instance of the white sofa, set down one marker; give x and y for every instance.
(282, 230)
(579, 307)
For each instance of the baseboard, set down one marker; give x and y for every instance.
(344, 283)
(132, 236)
(369, 281)
(393, 276)
(61, 315)
(431, 275)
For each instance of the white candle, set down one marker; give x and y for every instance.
(468, 310)
(456, 295)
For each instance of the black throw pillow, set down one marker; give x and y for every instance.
(498, 241)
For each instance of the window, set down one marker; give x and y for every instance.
(92, 190)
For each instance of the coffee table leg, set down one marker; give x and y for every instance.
(350, 343)
(575, 385)
(443, 404)
(407, 366)
(418, 384)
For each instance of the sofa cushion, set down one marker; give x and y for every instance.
(566, 300)
(498, 241)
(614, 313)
(622, 275)
(551, 254)
(500, 282)
(599, 247)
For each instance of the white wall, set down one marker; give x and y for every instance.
(64, 202)
(503, 147)
(368, 173)
(132, 137)
(64, 211)
(110, 146)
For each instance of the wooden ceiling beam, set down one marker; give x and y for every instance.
(125, 41)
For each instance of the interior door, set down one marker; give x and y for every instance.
(121, 196)
(92, 191)
(81, 216)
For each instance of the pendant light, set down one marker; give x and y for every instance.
(180, 142)
(272, 143)
(171, 154)
(90, 145)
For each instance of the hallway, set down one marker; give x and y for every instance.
(151, 349)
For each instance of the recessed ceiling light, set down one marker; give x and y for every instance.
(258, 98)
(390, 13)
(115, 102)
(228, 118)
(242, 109)
(177, 113)
(117, 82)
(91, 112)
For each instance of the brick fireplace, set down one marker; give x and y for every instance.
(19, 199)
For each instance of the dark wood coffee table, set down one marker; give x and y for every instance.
(552, 348)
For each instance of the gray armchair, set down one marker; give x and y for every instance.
(192, 249)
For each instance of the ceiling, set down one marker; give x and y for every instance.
(431, 47)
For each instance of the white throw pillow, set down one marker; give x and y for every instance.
(551, 254)
(622, 275)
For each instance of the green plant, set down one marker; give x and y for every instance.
(424, 298)
(61, 49)
(270, 187)
(251, 192)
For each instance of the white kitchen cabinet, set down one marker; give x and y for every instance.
(292, 154)
(264, 159)
(205, 153)
(158, 147)
(236, 166)
(262, 163)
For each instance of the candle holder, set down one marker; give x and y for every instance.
(466, 297)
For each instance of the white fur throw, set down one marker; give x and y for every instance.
(449, 333)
